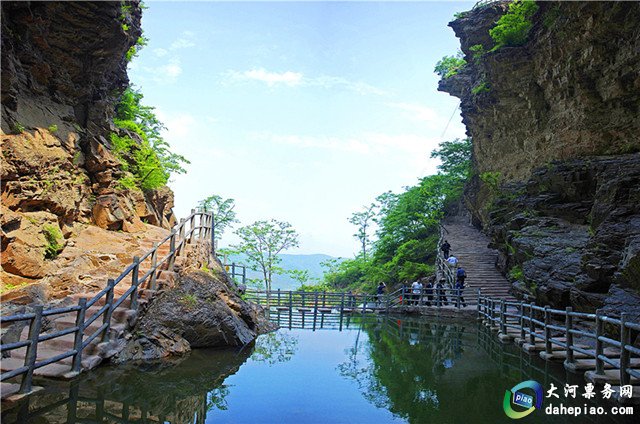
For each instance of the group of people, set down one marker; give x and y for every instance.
(432, 292)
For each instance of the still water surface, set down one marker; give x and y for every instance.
(360, 370)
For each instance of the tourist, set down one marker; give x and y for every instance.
(452, 261)
(429, 291)
(416, 289)
(446, 247)
(461, 275)
(441, 292)
(380, 291)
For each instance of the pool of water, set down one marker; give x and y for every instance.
(373, 369)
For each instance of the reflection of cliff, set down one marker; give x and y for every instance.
(419, 370)
(178, 392)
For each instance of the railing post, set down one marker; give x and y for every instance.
(244, 274)
(213, 235)
(201, 232)
(77, 341)
(478, 304)
(106, 318)
(290, 304)
(364, 303)
(547, 330)
(134, 282)
(599, 345)
(522, 333)
(278, 297)
(172, 250)
(192, 221)
(503, 317)
(324, 298)
(342, 304)
(404, 295)
(625, 339)
(568, 324)
(458, 292)
(233, 270)
(181, 238)
(532, 325)
(302, 300)
(32, 349)
(154, 272)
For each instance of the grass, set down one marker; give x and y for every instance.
(18, 128)
(53, 237)
(189, 301)
(53, 128)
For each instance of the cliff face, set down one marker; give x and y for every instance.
(555, 139)
(63, 68)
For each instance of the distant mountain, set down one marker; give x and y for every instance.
(311, 263)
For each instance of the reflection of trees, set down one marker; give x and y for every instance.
(217, 398)
(275, 347)
(418, 370)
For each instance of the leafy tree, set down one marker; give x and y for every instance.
(455, 157)
(261, 242)
(448, 66)
(147, 158)
(512, 29)
(362, 220)
(223, 214)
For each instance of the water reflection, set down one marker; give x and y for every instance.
(382, 368)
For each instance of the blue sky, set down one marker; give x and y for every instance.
(303, 112)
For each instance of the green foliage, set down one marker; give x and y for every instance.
(148, 157)
(478, 51)
(516, 273)
(362, 220)
(76, 158)
(54, 239)
(223, 214)
(189, 301)
(448, 66)
(18, 128)
(459, 15)
(512, 29)
(53, 128)
(492, 179)
(135, 49)
(127, 182)
(261, 242)
(481, 87)
(407, 232)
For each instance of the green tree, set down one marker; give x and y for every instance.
(448, 66)
(363, 220)
(223, 214)
(261, 242)
(455, 157)
(512, 29)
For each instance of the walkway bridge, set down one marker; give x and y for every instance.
(61, 342)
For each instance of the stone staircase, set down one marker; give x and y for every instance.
(123, 318)
(470, 246)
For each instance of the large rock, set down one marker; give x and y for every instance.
(202, 310)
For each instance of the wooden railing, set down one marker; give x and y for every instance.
(185, 232)
(556, 327)
(236, 270)
(442, 266)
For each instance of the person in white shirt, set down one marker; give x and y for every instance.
(452, 261)
(416, 289)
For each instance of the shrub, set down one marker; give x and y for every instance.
(53, 237)
(18, 128)
(481, 87)
(516, 273)
(135, 49)
(448, 66)
(478, 51)
(512, 29)
(492, 179)
(53, 128)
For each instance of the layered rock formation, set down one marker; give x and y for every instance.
(554, 128)
(63, 69)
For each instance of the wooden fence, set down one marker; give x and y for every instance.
(542, 328)
(185, 232)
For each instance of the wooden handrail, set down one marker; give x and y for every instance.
(178, 239)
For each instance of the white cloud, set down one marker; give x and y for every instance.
(160, 52)
(178, 125)
(270, 78)
(418, 112)
(185, 40)
(294, 79)
(166, 73)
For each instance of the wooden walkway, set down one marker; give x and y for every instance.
(82, 334)
(577, 339)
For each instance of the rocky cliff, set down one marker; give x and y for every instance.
(63, 69)
(555, 125)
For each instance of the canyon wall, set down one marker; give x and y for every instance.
(555, 125)
(63, 70)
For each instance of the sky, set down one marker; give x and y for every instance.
(301, 112)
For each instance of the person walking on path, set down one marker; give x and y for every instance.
(441, 293)
(380, 292)
(461, 275)
(446, 247)
(416, 289)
